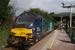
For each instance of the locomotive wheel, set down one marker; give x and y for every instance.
(35, 39)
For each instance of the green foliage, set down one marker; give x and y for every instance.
(5, 10)
(4, 33)
(48, 16)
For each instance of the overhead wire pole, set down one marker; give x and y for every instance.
(70, 22)
(70, 6)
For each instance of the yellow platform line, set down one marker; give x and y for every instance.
(53, 40)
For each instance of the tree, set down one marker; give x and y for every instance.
(48, 16)
(5, 10)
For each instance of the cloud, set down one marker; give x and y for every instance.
(20, 5)
(68, 0)
(46, 5)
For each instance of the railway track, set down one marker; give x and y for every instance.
(9, 48)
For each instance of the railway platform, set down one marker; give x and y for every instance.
(56, 40)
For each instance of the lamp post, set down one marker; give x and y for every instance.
(70, 6)
(70, 31)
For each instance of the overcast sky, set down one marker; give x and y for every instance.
(46, 5)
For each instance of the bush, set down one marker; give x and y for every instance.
(4, 33)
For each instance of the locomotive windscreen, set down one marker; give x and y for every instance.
(25, 21)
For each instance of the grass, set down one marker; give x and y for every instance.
(4, 33)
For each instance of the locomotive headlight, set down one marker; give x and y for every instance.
(30, 26)
(12, 33)
(29, 34)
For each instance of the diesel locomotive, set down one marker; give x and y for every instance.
(23, 31)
